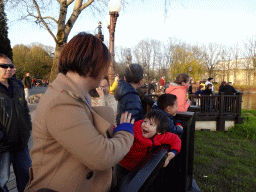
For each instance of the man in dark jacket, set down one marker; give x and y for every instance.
(126, 94)
(15, 123)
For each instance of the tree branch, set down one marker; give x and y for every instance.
(48, 17)
(69, 2)
(89, 2)
(42, 20)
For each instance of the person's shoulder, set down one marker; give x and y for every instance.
(17, 83)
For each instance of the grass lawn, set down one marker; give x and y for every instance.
(227, 161)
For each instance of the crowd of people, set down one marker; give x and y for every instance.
(87, 132)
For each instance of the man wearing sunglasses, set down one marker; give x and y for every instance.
(15, 127)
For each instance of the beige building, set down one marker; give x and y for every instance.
(239, 71)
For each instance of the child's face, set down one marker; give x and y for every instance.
(172, 110)
(148, 128)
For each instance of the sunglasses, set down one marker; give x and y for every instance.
(5, 66)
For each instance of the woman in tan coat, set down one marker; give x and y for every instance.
(75, 148)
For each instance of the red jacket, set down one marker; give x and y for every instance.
(181, 93)
(162, 82)
(141, 146)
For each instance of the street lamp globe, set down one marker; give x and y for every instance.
(114, 6)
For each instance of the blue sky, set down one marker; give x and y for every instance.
(225, 22)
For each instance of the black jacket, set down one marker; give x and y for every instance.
(207, 91)
(128, 100)
(227, 89)
(146, 101)
(15, 119)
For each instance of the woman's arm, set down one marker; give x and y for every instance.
(69, 124)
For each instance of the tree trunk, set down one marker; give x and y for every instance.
(54, 70)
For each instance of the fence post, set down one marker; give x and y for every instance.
(239, 119)
(220, 120)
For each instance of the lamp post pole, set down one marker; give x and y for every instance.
(114, 7)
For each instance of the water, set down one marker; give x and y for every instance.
(249, 101)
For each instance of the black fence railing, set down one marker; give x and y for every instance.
(177, 176)
(218, 107)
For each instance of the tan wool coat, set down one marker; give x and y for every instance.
(71, 150)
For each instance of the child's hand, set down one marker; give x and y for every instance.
(126, 118)
(180, 126)
(170, 156)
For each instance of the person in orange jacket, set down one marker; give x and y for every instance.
(179, 88)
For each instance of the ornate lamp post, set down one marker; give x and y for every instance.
(129, 56)
(100, 35)
(114, 7)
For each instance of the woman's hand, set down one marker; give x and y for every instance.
(117, 78)
(170, 156)
(100, 91)
(126, 118)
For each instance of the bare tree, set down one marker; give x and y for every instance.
(63, 20)
(250, 57)
(35, 9)
(212, 56)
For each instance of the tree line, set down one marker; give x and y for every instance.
(173, 56)
(35, 59)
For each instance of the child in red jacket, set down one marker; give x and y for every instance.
(149, 133)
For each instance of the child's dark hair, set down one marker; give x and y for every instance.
(166, 100)
(133, 73)
(182, 77)
(209, 85)
(160, 119)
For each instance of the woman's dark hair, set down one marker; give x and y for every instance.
(133, 73)
(83, 54)
(161, 120)
(166, 100)
(182, 77)
(223, 83)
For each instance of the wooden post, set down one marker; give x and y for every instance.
(239, 118)
(220, 120)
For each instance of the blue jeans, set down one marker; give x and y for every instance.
(21, 162)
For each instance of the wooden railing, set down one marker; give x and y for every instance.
(177, 176)
(218, 107)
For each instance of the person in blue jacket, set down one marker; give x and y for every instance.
(200, 91)
(126, 94)
(168, 104)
